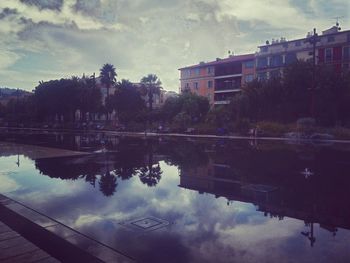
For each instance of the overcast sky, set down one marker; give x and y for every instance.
(49, 39)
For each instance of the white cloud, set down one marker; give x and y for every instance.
(7, 184)
(8, 58)
(141, 37)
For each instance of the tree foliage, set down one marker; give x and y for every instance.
(188, 107)
(61, 98)
(127, 101)
(152, 85)
(289, 97)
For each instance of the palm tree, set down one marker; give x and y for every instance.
(150, 174)
(108, 77)
(108, 184)
(152, 84)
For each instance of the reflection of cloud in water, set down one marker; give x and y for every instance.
(7, 184)
(86, 220)
(204, 227)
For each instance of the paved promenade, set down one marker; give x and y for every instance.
(15, 248)
(28, 236)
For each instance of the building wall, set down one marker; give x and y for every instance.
(268, 62)
(331, 42)
(197, 81)
(218, 80)
(248, 71)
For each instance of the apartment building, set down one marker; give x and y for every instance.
(221, 79)
(332, 47)
(218, 80)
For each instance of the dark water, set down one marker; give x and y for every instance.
(186, 200)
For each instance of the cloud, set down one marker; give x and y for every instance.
(45, 4)
(141, 37)
(7, 12)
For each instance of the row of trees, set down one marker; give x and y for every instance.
(59, 100)
(295, 94)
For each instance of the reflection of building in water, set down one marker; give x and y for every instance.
(221, 180)
(274, 199)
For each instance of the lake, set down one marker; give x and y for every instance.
(165, 199)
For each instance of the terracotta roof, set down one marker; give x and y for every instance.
(222, 60)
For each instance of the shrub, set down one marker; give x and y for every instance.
(306, 125)
(273, 128)
(242, 126)
(340, 132)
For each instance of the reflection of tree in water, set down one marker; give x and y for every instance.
(90, 178)
(150, 174)
(108, 184)
(125, 173)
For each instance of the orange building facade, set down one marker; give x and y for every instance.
(222, 79)
(218, 80)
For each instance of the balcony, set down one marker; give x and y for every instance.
(231, 88)
(228, 85)
(221, 102)
(228, 69)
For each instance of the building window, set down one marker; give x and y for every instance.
(210, 70)
(264, 49)
(346, 53)
(330, 39)
(298, 43)
(276, 61)
(275, 74)
(197, 71)
(348, 37)
(262, 76)
(329, 54)
(195, 85)
(209, 96)
(210, 84)
(262, 62)
(187, 85)
(290, 58)
(188, 73)
(249, 78)
(249, 64)
(285, 45)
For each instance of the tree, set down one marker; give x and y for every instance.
(289, 97)
(152, 85)
(89, 97)
(171, 107)
(150, 174)
(127, 101)
(108, 184)
(187, 108)
(108, 76)
(57, 98)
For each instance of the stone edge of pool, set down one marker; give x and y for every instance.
(57, 239)
(207, 136)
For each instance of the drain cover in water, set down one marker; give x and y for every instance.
(145, 224)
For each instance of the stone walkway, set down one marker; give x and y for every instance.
(60, 241)
(15, 248)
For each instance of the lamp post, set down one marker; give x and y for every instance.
(313, 40)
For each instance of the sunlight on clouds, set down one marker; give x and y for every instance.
(7, 184)
(8, 58)
(86, 220)
(141, 37)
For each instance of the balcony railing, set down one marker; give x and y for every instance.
(227, 87)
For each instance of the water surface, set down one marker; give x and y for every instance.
(187, 200)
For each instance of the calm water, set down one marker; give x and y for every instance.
(185, 200)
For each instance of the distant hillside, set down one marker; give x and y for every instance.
(7, 92)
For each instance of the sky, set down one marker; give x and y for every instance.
(53, 39)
